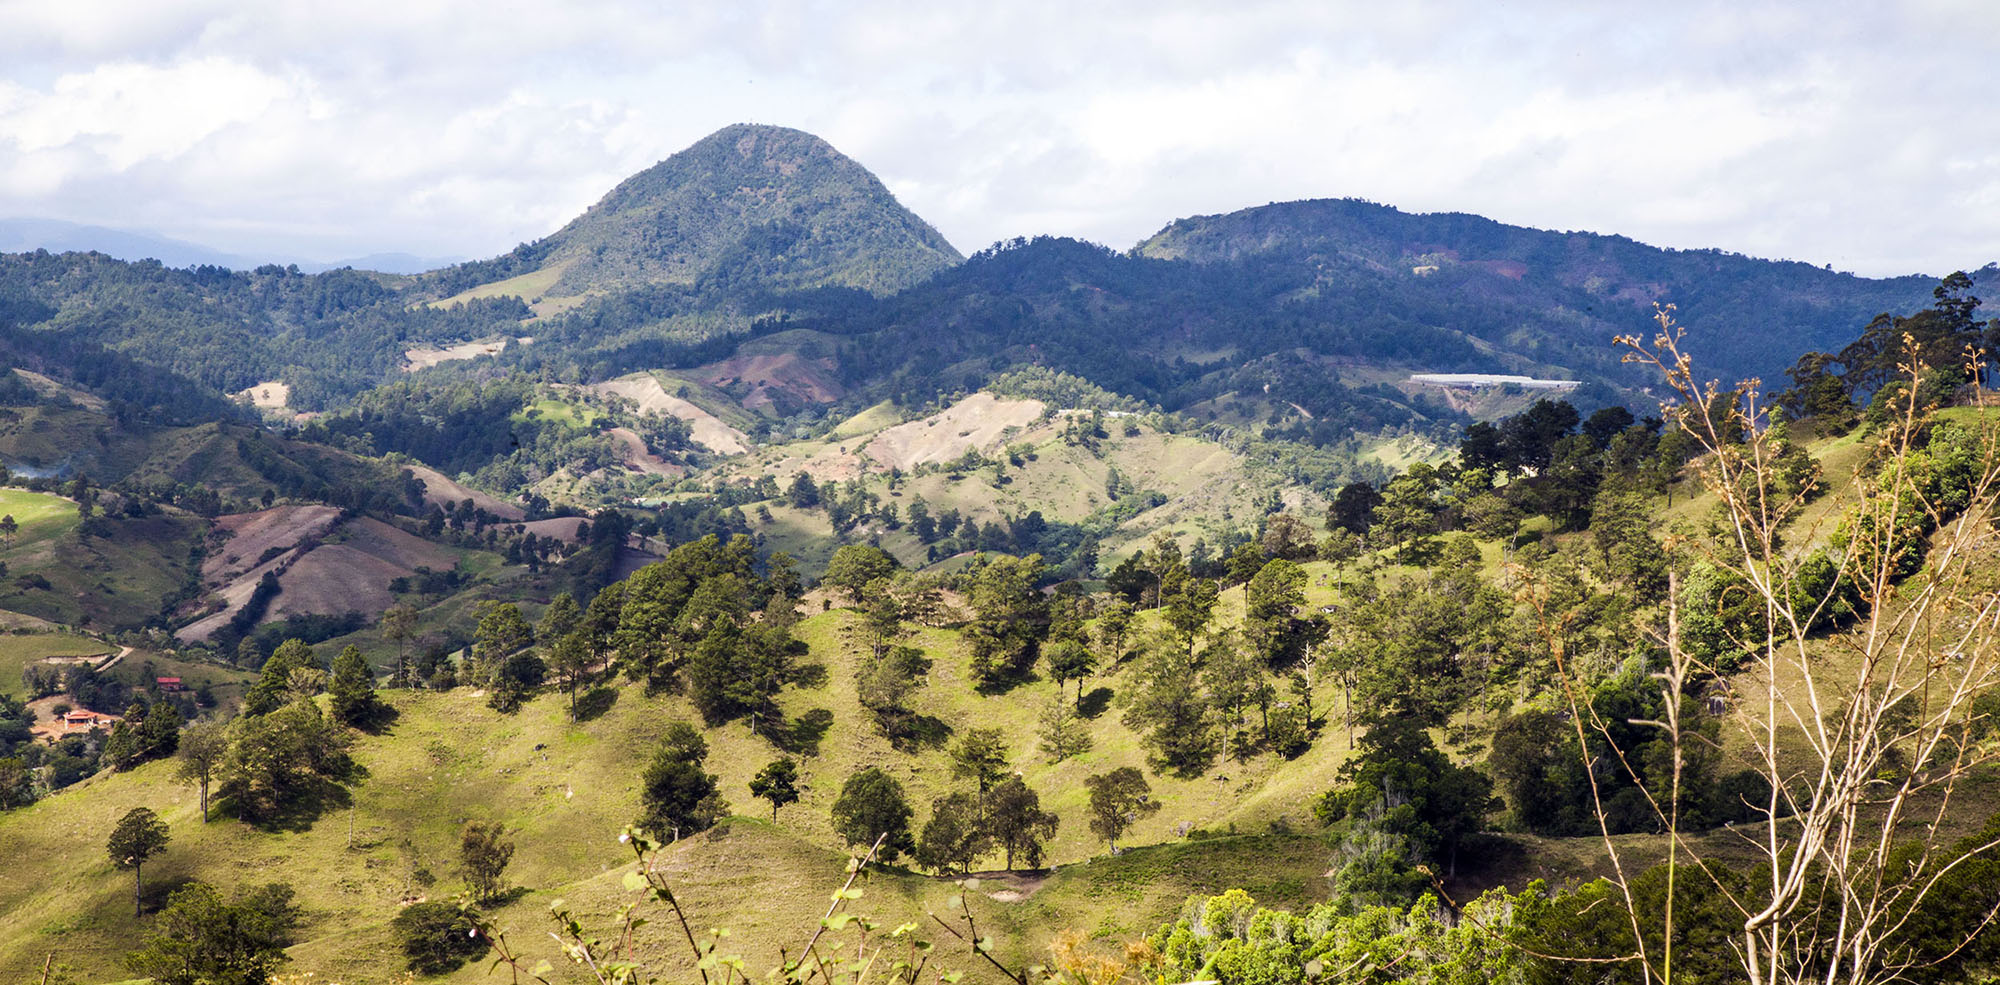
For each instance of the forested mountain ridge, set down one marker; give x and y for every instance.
(1755, 315)
(785, 287)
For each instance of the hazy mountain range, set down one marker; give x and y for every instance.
(25, 235)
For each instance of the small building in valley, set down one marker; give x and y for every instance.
(1480, 381)
(83, 720)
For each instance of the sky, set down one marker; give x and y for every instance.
(1850, 135)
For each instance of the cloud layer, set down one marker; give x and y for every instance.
(1843, 134)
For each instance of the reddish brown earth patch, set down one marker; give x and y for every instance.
(784, 372)
(1510, 269)
(633, 451)
(249, 536)
(442, 491)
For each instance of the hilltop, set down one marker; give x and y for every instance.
(747, 204)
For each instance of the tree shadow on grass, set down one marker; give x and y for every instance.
(592, 704)
(1006, 682)
(505, 896)
(1093, 703)
(801, 735)
(920, 732)
(809, 676)
(159, 889)
(295, 809)
(380, 720)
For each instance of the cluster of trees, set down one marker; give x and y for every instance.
(470, 426)
(221, 331)
(1000, 813)
(1830, 389)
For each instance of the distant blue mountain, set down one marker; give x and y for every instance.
(57, 236)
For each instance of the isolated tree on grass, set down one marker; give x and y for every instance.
(399, 626)
(1172, 713)
(1015, 819)
(777, 782)
(571, 660)
(560, 619)
(273, 687)
(853, 566)
(676, 795)
(1271, 603)
(438, 937)
(1114, 623)
(1063, 734)
(886, 685)
(1117, 800)
(139, 836)
(1071, 660)
(203, 746)
(483, 854)
(501, 633)
(882, 615)
(1011, 618)
(872, 806)
(201, 940)
(514, 681)
(283, 762)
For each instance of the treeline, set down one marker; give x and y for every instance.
(329, 335)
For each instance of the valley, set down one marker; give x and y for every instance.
(1319, 554)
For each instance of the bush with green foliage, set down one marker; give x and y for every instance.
(200, 939)
(438, 938)
(1403, 803)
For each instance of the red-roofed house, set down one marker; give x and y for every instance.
(169, 683)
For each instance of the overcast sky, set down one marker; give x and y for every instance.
(1859, 135)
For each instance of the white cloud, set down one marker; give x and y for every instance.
(1844, 133)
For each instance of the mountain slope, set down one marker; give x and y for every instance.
(767, 204)
(1751, 317)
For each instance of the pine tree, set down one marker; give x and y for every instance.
(353, 688)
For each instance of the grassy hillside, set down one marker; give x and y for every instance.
(565, 791)
(17, 652)
(115, 573)
(1024, 459)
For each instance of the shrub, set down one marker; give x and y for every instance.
(438, 937)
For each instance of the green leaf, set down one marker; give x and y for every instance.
(634, 881)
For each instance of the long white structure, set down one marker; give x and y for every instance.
(1476, 381)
